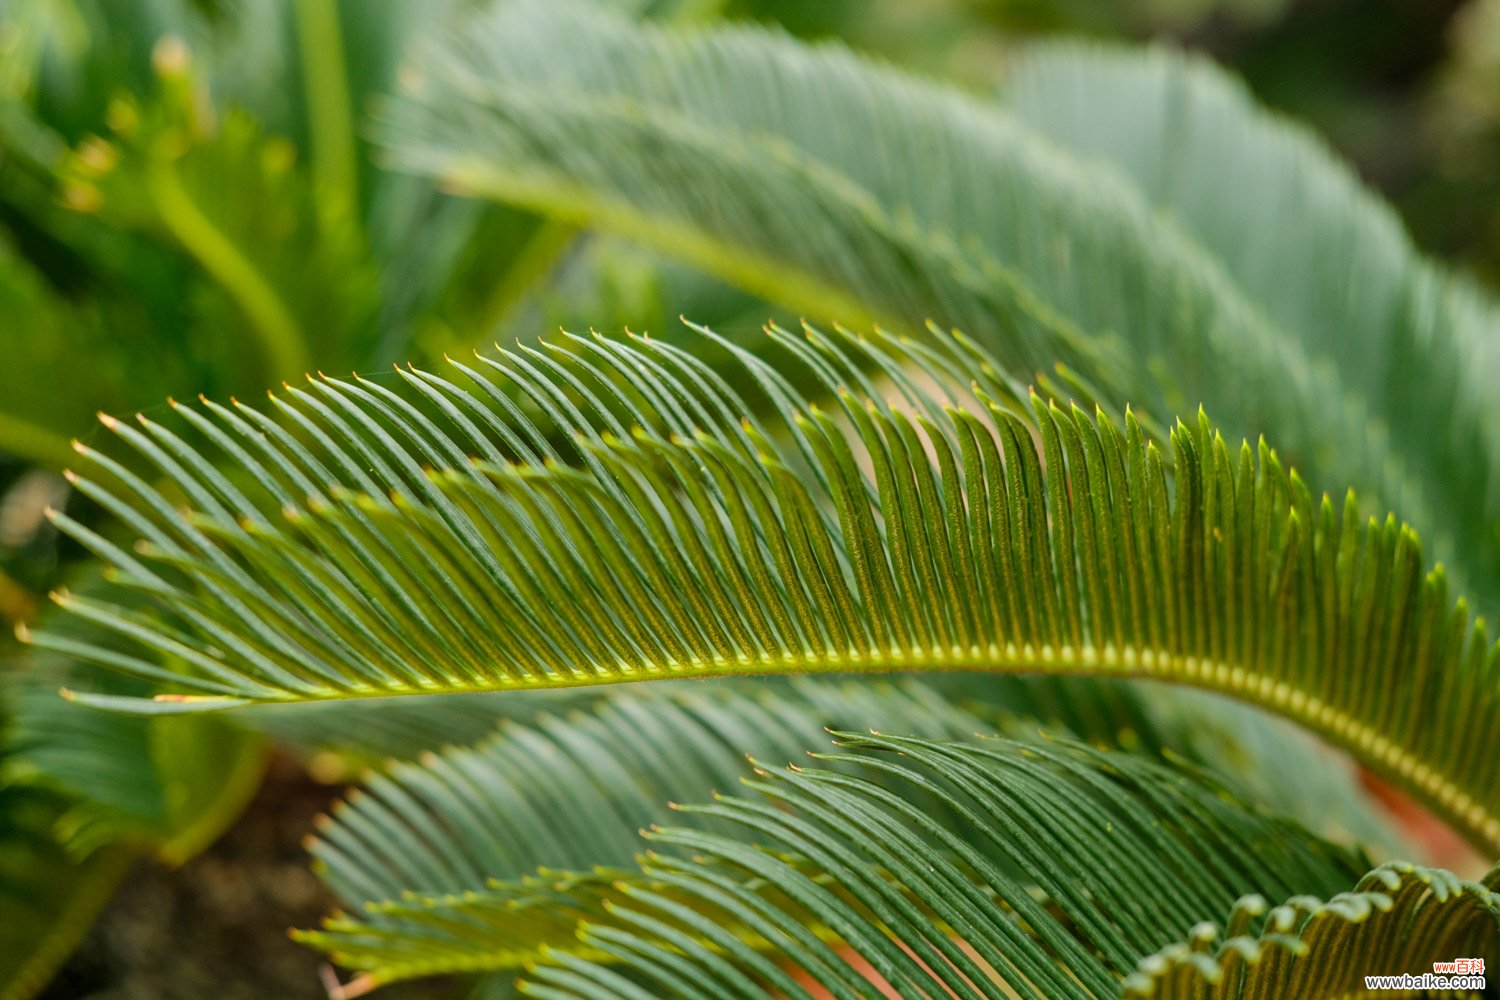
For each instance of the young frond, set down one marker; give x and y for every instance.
(1392, 924)
(624, 519)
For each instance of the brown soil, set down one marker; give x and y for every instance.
(216, 927)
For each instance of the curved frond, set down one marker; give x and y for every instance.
(1400, 921)
(433, 849)
(673, 537)
(850, 191)
(1018, 902)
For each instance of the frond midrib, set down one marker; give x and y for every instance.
(1338, 728)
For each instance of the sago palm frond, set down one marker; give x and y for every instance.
(1245, 747)
(438, 860)
(455, 863)
(1016, 902)
(625, 521)
(845, 189)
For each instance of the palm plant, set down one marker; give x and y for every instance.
(1124, 238)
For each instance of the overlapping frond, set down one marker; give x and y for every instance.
(1401, 921)
(437, 859)
(495, 810)
(1016, 901)
(441, 857)
(624, 521)
(848, 190)
(1325, 257)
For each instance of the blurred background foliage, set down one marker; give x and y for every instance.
(193, 200)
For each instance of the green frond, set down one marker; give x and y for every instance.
(624, 521)
(427, 852)
(1052, 886)
(494, 811)
(437, 847)
(847, 190)
(1245, 747)
(1401, 920)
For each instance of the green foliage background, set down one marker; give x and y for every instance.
(212, 197)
